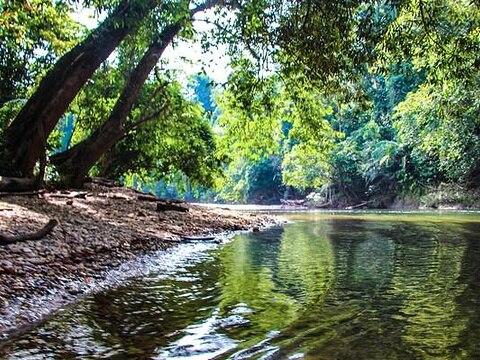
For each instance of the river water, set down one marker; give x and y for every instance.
(325, 286)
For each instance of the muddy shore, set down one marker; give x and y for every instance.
(99, 231)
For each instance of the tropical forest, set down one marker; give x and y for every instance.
(239, 179)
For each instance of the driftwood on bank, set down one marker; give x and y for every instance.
(153, 198)
(37, 235)
(171, 206)
(147, 197)
(23, 193)
(70, 194)
(13, 184)
(114, 196)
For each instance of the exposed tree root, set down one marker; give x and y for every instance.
(37, 235)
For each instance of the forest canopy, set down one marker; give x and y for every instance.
(356, 101)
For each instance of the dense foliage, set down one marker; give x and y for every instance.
(406, 122)
(32, 35)
(358, 102)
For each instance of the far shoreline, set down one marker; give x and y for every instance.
(274, 208)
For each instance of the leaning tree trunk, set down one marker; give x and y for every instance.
(25, 138)
(74, 164)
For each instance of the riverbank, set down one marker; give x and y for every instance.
(442, 197)
(98, 230)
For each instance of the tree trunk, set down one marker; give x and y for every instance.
(74, 164)
(25, 138)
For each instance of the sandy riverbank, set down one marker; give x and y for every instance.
(97, 232)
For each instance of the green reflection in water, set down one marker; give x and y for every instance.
(326, 286)
(247, 278)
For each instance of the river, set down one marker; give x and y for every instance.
(324, 286)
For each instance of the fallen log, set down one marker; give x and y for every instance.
(114, 196)
(13, 184)
(147, 197)
(22, 193)
(37, 235)
(153, 198)
(71, 194)
(170, 206)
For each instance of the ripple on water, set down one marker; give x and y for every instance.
(341, 287)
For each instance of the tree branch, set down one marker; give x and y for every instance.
(147, 118)
(205, 6)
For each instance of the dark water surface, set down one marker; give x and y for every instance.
(324, 287)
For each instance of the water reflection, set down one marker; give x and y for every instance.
(332, 288)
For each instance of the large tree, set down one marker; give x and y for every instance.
(24, 140)
(74, 164)
(266, 28)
